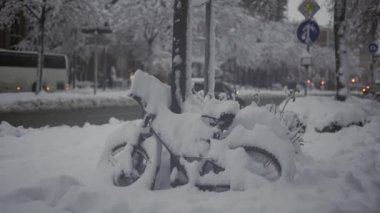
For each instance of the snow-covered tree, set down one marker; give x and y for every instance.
(252, 50)
(273, 10)
(148, 23)
(361, 18)
(46, 19)
(361, 23)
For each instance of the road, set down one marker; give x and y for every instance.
(78, 117)
(71, 117)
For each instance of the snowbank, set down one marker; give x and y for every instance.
(7, 129)
(28, 101)
(324, 114)
(54, 170)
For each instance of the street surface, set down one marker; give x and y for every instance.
(72, 117)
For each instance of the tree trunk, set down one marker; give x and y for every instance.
(180, 54)
(340, 51)
(149, 62)
(373, 38)
(41, 28)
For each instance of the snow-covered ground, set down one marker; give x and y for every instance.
(55, 170)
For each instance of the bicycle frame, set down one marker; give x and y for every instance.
(221, 123)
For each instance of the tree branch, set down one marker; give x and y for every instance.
(32, 12)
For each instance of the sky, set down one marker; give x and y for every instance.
(322, 17)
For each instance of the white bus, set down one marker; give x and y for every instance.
(18, 71)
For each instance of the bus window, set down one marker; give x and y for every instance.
(17, 60)
(51, 61)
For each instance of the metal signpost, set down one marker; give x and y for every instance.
(308, 31)
(373, 47)
(96, 40)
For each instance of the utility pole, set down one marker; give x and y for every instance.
(181, 26)
(209, 71)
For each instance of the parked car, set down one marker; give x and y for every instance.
(222, 90)
(366, 89)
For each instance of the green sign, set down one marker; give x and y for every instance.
(308, 8)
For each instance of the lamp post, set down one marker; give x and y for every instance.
(95, 40)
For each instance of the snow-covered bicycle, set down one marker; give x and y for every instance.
(212, 145)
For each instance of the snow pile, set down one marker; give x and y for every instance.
(55, 170)
(152, 92)
(27, 101)
(8, 130)
(263, 137)
(324, 114)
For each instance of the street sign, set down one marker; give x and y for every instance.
(373, 47)
(99, 41)
(308, 8)
(308, 32)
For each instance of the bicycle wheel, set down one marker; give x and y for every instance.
(263, 163)
(136, 164)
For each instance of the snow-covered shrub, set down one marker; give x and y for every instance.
(324, 114)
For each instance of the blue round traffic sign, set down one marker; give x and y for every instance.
(308, 31)
(373, 47)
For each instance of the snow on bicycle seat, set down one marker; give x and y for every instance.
(152, 92)
(216, 108)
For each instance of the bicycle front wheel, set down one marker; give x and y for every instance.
(136, 164)
(263, 163)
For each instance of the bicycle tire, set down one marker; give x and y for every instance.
(145, 161)
(271, 166)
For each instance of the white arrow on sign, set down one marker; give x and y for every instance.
(306, 32)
